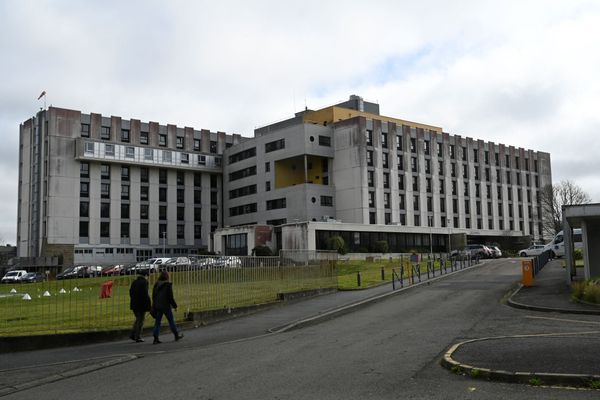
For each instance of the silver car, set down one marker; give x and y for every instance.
(532, 251)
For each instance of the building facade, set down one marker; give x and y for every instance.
(348, 164)
(96, 189)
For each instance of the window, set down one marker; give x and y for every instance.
(385, 160)
(180, 178)
(125, 135)
(415, 184)
(443, 207)
(109, 150)
(440, 167)
(386, 200)
(400, 162)
(369, 137)
(104, 210)
(124, 211)
(452, 151)
(83, 228)
(413, 145)
(442, 184)
(162, 140)
(213, 146)
(180, 195)
(426, 147)
(167, 156)
(428, 166)
(84, 189)
(180, 231)
(399, 142)
(429, 204)
(476, 155)
(105, 190)
(144, 230)
(105, 133)
(162, 212)
(370, 158)
(143, 137)
(144, 211)
(84, 170)
(89, 147)
(196, 144)
(180, 213)
(85, 130)
(197, 196)
(384, 140)
(276, 145)
(104, 171)
(276, 204)
(416, 203)
(242, 173)
(428, 185)
(440, 149)
(371, 199)
(241, 210)
(129, 152)
(370, 179)
(143, 193)
(267, 186)
(327, 201)
(242, 155)
(401, 201)
(413, 164)
(267, 166)
(465, 173)
(84, 209)
(148, 154)
(454, 189)
(179, 142)
(324, 141)
(144, 174)
(162, 176)
(400, 182)
(464, 153)
(466, 186)
(243, 191)
(124, 173)
(386, 180)
(104, 229)
(162, 194)
(124, 192)
(197, 214)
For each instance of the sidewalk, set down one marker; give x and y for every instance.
(567, 359)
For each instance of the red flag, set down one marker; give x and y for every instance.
(42, 95)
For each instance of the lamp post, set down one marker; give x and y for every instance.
(164, 241)
(449, 245)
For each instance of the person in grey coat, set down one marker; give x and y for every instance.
(162, 302)
(139, 304)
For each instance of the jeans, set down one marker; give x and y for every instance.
(138, 324)
(167, 313)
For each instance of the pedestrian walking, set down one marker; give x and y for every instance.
(139, 304)
(162, 301)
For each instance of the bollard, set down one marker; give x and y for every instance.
(358, 278)
(527, 269)
(393, 279)
(382, 274)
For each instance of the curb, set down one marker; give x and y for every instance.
(67, 374)
(529, 378)
(516, 304)
(333, 313)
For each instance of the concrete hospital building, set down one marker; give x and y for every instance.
(96, 189)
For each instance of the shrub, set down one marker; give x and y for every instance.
(381, 246)
(337, 243)
(362, 249)
(591, 292)
(578, 289)
(578, 254)
(262, 251)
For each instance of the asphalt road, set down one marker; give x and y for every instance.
(387, 350)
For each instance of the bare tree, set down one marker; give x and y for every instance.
(553, 198)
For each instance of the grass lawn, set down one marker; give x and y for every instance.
(74, 305)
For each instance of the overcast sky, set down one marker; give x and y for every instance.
(523, 73)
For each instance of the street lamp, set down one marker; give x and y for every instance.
(430, 235)
(449, 244)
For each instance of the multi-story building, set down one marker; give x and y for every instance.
(96, 189)
(380, 178)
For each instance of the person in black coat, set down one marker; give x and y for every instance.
(139, 304)
(162, 301)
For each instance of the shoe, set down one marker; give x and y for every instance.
(156, 341)
(139, 340)
(132, 338)
(178, 336)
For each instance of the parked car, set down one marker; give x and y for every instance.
(532, 251)
(150, 265)
(478, 250)
(32, 277)
(112, 270)
(14, 276)
(497, 253)
(79, 271)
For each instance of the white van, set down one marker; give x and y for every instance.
(557, 245)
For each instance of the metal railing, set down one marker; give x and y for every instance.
(204, 283)
(540, 261)
(413, 269)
